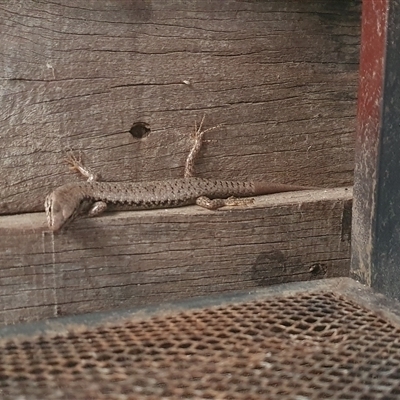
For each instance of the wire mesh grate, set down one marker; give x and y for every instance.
(314, 345)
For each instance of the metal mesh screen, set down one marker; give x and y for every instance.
(304, 346)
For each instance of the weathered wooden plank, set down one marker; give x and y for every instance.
(281, 75)
(148, 257)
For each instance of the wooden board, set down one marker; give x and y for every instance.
(77, 74)
(148, 257)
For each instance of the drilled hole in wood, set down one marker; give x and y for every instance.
(139, 130)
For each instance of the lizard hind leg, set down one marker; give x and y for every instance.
(215, 204)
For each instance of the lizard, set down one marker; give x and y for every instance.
(91, 198)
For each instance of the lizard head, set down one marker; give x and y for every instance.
(60, 210)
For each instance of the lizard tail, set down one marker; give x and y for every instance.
(261, 188)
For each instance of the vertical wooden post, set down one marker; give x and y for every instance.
(376, 212)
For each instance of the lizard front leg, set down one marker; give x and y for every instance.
(97, 208)
(76, 165)
(194, 152)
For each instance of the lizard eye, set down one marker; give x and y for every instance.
(56, 208)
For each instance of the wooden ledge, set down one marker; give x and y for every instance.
(147, 257)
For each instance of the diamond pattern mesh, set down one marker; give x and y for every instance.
(307, 346)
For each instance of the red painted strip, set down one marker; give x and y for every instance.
(370, 93)
(372, 60)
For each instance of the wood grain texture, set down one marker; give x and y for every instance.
(148, 257)
(280, 75)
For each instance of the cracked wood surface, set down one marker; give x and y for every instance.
(280, 75)
(139, 258)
